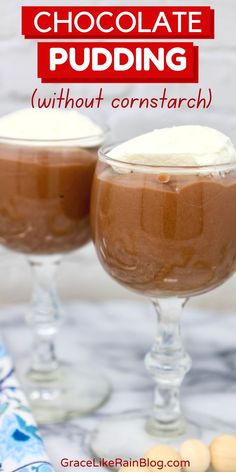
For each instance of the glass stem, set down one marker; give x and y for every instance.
(45, 315)
(168, 363)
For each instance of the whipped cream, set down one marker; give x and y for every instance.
(48, 124)
(177, 146)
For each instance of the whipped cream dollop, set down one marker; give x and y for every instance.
(177, 146)
(50, 124)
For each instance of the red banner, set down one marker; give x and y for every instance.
(103, 22)
(117, 62)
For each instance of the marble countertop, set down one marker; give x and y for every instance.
(116, 336)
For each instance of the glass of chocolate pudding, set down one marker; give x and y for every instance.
(163, 218)
(45, 189)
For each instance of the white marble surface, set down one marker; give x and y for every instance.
(115, 336)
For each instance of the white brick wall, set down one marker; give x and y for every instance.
(18, 78)
(218, 70)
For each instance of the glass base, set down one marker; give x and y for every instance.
(65, 393)
(125, 436)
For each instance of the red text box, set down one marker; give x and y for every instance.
(173, 22)
(124, 62)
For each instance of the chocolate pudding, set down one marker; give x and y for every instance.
(45, 197)
(47, 161)
(168, 234)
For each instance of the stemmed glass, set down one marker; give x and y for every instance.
(168, 233)
(44, 213)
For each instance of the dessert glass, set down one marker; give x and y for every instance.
(168, 233)
(44, 213)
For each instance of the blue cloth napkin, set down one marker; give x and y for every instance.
(21, 446)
